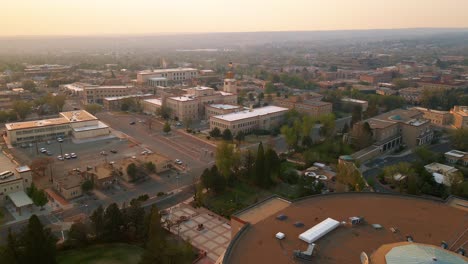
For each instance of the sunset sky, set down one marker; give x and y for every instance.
(93, 17)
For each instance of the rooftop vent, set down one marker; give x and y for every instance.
(299, 224)
(280, 235)
(444, 245)
(282, 217)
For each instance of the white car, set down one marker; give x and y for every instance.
(67, 156)
(60, 157)
(73, 156)
(42, 150)
(60, 139)
(310, 174)
(178, 161)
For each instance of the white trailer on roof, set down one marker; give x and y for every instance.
(319, 230)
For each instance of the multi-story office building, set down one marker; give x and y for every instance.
(303, 104)
(192, 104)
(460, 116)
(411, 94)
(96, 94)
(79, 124)
(364, 104)
(177, 74)
(439, 118)
(247, 121)
(220, 109)
(391, 129)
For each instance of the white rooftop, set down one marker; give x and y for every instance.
(167, 70)
(438, 167)
(319, 230)
(154, 101)
(456, 153)
(113, 98)
(158, 79)
(23, 168)
(94, 127)
(224, 106)
(182, 98)
(20, 199)
(251, 113)
(353, 100)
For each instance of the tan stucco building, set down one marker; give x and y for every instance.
(192, 104)
(247, 121)
(69, 185)
(176, 74)
(221, 109)
(96, 94)
(438, 118)
(79, 124)
(308, 104)
(460, 116)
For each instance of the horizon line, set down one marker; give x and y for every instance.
(225, 32)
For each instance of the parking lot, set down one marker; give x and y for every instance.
(88, 153)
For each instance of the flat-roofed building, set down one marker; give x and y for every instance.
(79, 124)
(151, 106)
(247, 121)
(76, 88)
(308, 104)
(115, 103)
(411, 94)
(460, 116)
(457, 157)
(399, 126)
(362, 103)
(69, 185)
(442, 173)
(13, 182)
(437, 117)
(157, 81)
(96, 94)
(176, 74)
(192, 104)
(220, 109)
(385, 91)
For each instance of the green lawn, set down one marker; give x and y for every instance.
(102, 254)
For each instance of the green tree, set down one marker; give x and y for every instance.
(113, 223)
(227, 134)
(22, 108)
(87, 186)
(356, 114)
(290, 135)
(227, 159)
(164, 112)
(215, 132)
(150, 167)
(97, 219)
(58, 102)
(132, 170)
(459, 138)
(40, 198)
(240, 136)
(134, 220)
(78, 235)
(29, 85)
(362, 135)
(166, 128)
(156, 243)
(38, 243)
(93, 108)
(260, 166)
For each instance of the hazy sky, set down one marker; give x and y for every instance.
(90, 17)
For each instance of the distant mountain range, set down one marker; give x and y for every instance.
(27, 44)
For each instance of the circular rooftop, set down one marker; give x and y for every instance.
(428, 221)
(414, 253)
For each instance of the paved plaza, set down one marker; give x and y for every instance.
(213, 238)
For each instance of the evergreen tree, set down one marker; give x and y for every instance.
(156, 243)
(260, 165)
(227, 134)
(97, 218)
(113, 223)
(39, 243)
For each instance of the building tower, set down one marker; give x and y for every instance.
(230, 83)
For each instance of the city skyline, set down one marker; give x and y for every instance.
(51, 18)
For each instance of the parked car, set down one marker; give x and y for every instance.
(144, 152)
(59, 139)
(113, 151)
(103, 153)
(59, 157)
(132, 123)
(49, 153)
(42, 150)
(67, 156)
(48, 142)
(178, 161)
(178, 124)
(73, 156)
(310, 174)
